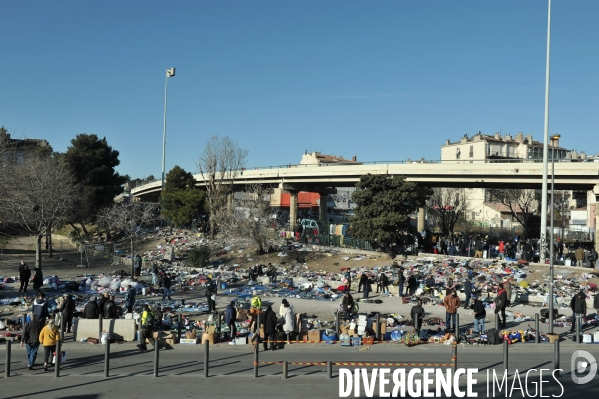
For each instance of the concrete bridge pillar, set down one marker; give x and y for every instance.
(421, 219)
(597, 225)
(322, 209)
(292, 209)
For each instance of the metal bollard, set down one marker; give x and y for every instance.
(454, 358)
(505, 355)
(329, 369)
(256, 350)
(156, 356)
(497, 321)
(285, 369)
(537, 330)
(179, 322)
(378, 326)
(57, 359)
(556, 357)
(107, 359)
(8, 354)
(417, 323)
(578, 328)
(218, 323)
(457, 326)
(337, 322)
(100, 327)
(61, 328)
(206, 358)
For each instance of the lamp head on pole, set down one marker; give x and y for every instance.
(170, 72)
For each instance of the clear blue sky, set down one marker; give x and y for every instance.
(382, 80)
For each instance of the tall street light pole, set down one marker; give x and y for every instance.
(170, 72)
(543, 237)
(554, 139)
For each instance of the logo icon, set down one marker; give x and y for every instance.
(581, 366)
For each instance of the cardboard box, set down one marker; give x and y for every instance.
(242, 314)
(190, 335)
(383, 327)
(314, 335)
(161, 342)
(261, 332)
(210, 329)
(208, 336)
(171, 341)
(303, 336)
(185, 341)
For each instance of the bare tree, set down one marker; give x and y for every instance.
(522, 204)
(130, 219)
(447, 206)
(250, 218)
(221, 162)
(38, 196)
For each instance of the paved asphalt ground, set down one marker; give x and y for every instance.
(231, 370)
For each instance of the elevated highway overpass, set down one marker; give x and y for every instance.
(568, 176)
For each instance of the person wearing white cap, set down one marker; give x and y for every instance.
(256, 301)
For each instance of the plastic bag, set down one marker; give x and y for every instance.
(63, 358)
(105, 337)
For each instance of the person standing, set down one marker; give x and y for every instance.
(578, 304)
(366, 287)
(479, 315)
(256, 302)
(154, 273)
(230, 317)
(24, 276)
(166, 287)
(271, 272)
(67, 309)
(40, 307)
(103, 299)
(348, 304)
(401, 281)
(579, 254)
(451, 303)
(288, 320)
(90, 311)
(31, 338)
(49, 336)
(137, 265)
(500, 304)
(384, 281)
(130, 299)
(507, 286)
(417, 313)
(270, 325)
(211, 296)
(38, 279)
(412, 284)
(110, 309)
(363, 282)
(468, 288)
(146, 323)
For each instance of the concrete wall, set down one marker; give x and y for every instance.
(122, 329)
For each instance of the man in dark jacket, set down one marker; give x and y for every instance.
(210, 291)
(90, 311)
(102, 302)
(347, 303)
(401, 279)
(578, 304)
(24, 276)
(166, 287)
(501, 303)
(230, 317)
(468, 292)
(130, 299)
(270, 321)
(67, 308)
(479, 315)
(110, 310)
(40, 308)
(38, 280)
(417, 313)
(31, 337)
(137, 265)
(363, 282)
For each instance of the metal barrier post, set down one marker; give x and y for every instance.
(8, 353)
(505, 355)
(179, 322)
(100, 327)
(336, 323)
(57, 359)
(256, 350)
(206, 358)
(578, 328)
(378, 326)
(457, 326)
(417, 323)
(556, 357)
(107, 358)
(329, 369)
(285, 369)
(61, 328)
(156, 355)
(537, 330)
(218, 323)
(497, 321)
